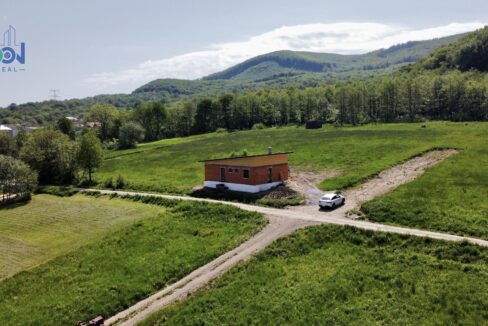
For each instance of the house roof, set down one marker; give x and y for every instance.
(251, 160)
(243, 156)
(2, 127)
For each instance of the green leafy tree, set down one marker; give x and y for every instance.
(151, 116)
(16, 178)
(90, 153)
(130, 134)
(203, 115)
(8, 145)
(106, 115)
(52, 154)
(67, 127)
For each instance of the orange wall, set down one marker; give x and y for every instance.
(257, 174)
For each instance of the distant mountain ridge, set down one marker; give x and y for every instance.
(297, 62)
(276, 69)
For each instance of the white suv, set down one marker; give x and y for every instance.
(331, 200)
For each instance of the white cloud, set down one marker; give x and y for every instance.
(344, 38)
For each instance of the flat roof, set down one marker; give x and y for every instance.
(243, 156)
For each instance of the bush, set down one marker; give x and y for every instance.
(120, 182)
(258, 126)
(16, 178)
(60, 191)
(111, 144)
(109, 183)
(220, 130)
(130, 134)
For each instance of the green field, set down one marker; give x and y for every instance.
(451, 197)
(49, 226)
(173, 165)
(330, 275)
(159, 245)
(357, 152)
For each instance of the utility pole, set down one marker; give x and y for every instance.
(54, 94)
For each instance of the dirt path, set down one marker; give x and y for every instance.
(283, 222)
(379, 185)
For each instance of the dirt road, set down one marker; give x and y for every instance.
(283, 222)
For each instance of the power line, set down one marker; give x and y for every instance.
(54, 94)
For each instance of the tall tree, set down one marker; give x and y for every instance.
(202, 118)
(8, 145)
(52, 154)
(106, 115)
(90, 153)
(151, 116)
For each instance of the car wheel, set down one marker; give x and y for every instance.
(343, 201)
(333, 205)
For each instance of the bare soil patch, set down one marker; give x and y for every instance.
(306, 183)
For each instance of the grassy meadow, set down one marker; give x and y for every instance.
(450, 197)
(169, 240)
(49, 226)
(355, 152)
(330, 275)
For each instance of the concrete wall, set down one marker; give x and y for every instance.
(243, 187)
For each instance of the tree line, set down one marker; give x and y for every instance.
(403, 97)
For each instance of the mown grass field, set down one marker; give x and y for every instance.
(125, 265)
(330, 275)
(49, 226)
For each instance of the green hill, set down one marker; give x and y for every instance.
(277, 69)
(290, 63)
(469, 53)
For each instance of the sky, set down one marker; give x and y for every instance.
(90, 47)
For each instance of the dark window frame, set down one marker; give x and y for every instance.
(244, 173)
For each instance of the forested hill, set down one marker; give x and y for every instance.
(288, 63)
(275, 70)
(469, 53)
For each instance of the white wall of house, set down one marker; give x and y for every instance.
(242, 187)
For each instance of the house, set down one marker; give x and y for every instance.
(253, 173)
(7, 130)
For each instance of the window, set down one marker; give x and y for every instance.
(231, 170)
(236, 170)
(245, 173)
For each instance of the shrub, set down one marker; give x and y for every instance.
(120, 184)
(109, 183)
(130, 134)
(60, 191)
(220, 130)
(258, 126)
